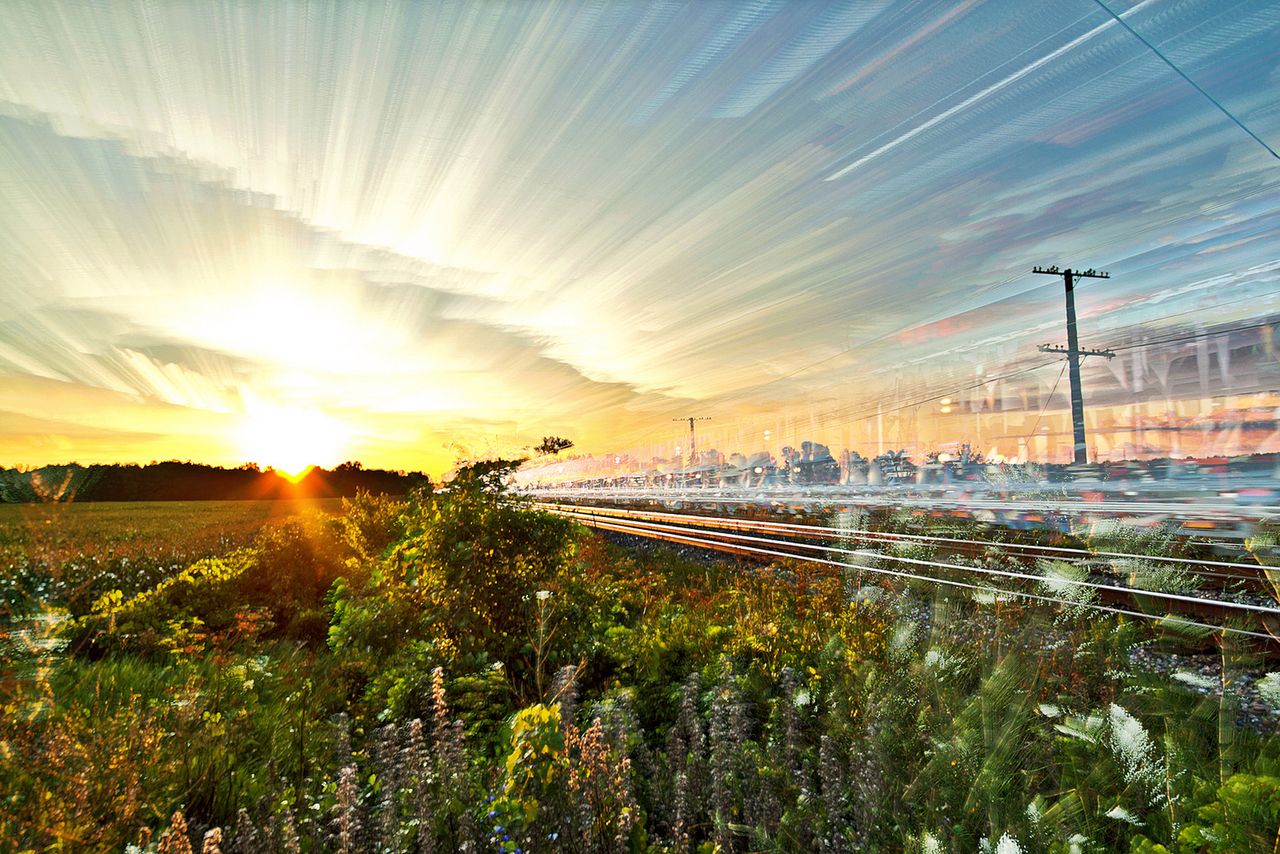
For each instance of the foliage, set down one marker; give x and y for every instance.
(276, 588)
(461, 579)
(552, 445)
(461, 671)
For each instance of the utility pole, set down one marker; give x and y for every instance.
(1073, 351)
(693, 453)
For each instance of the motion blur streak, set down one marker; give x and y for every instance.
(479, 223)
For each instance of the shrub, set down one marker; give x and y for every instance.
(462, 577)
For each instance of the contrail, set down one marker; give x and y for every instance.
(994, 87)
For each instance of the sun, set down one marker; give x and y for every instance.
(291, 440)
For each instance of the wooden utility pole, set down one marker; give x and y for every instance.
(1073, 352)
(693, 454)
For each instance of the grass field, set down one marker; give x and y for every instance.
(54, 554)
(56, 531)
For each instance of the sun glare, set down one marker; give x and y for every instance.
(292, 441)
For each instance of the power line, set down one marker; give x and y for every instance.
(864, 411)
(1191, 336)
(693, 451)
(1047, 401)
(1179, 72)
(950, 390)
(868, 413)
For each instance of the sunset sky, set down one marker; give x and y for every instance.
(400, 232)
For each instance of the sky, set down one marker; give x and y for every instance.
(402, 233)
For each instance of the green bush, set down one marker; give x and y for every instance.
(463, 577)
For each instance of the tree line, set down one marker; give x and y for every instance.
(186, 481)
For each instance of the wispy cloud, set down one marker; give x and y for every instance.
(509, 219)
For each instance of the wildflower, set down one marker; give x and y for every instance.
(1136, 753)
(1269, 689)
(347, 810)
(174, 839)
(212, 842)
(929, 844)
(1195, 680)
(543, 595)
(903, 638)
(1067, 581)
(1008, 845)
(1119, 813)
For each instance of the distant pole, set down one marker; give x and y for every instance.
(1074, 353)
(693, 452)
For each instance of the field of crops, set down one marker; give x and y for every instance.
(464, 672)
(70, 553)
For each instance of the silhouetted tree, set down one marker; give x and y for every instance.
(552, 445)
(173, 480)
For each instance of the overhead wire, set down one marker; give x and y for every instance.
(1184, 76)
(826, 418)
(1049, 399)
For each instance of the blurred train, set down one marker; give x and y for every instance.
(813, 464)
(1220, 498)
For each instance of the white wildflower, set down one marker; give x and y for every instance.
(1063, 580)
(1195, 680)
(936, 659)
(903, 638)
(1136, 753)
(929, 844)
(1269, 689)
(1076, 844)
(1119, 813)
(1008, 845)
(1158, 577)
(1033, 813)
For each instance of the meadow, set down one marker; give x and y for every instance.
(67, 554)
(459, 671)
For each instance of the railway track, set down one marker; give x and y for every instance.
(1017, 506)
(1017, 576)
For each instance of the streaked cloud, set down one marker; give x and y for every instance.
(501, 220)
